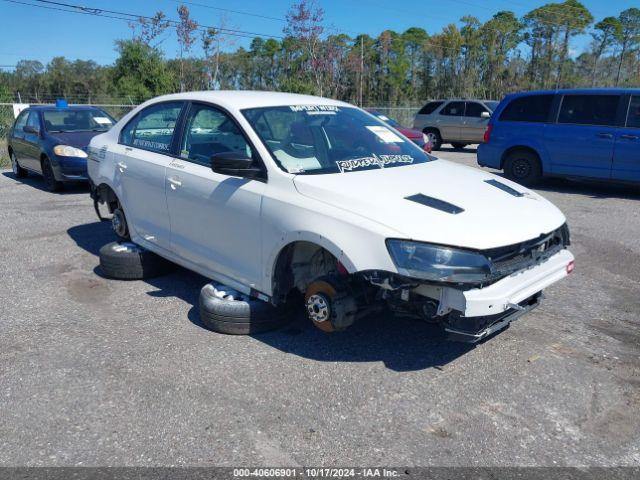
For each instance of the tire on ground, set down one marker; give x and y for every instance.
(128, 261)
(523, 167)
(225, 310)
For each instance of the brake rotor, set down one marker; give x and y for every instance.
(318, 301)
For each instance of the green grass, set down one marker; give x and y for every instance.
(4, 155)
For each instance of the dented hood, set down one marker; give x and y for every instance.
(450, 204)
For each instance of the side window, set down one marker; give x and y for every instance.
(453, 109)
(589, 109)
(475, 109)
(209, 131)
(633, 117)
(532, 108)
(153, 128)
(34, 121)
(429, 108)
(21, 121)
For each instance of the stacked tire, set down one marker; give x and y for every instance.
(128, 261)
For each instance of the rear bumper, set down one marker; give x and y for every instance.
(489, 156)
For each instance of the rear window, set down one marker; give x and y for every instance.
(532, 108)
(589, 109)
(429, 108)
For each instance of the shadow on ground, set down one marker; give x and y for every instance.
(400, 344)
(36, 181)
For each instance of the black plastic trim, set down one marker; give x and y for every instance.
(435, 203)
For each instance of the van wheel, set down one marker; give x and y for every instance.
(523, 167)
(128, 261)
(458, 146)
(18, 171)
(434, 137)
(225, 310)
(50, 181)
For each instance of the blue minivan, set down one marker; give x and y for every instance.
(589, 133)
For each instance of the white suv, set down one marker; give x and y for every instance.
(273, 193)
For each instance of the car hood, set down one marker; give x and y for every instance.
(74, 139)
(490, 217)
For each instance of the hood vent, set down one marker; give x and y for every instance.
(435, 203)
(504, 188)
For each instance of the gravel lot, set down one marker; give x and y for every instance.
(102, 372)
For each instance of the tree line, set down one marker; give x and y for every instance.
(466, 59)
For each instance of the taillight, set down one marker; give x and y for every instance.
(571, 266)
(487, 133)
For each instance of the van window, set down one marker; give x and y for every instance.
(453, 109)
(429, 108)
(589, 109)
(21, 122)
(633, 117)
(153, 128)
(532, 108)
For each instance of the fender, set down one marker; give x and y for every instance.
(304, 236)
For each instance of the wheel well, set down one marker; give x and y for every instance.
(10, 150)
(298, 264)
(519, 148)
(431, 129)
(105, 194)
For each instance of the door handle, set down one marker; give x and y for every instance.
(122, 166)
(174, 182)
(629, 137)
(605, 135)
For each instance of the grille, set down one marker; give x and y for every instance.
(520, 256)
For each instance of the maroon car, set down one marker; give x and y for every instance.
(416, 136)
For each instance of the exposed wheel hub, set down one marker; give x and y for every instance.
(318, 308)
(14, 164)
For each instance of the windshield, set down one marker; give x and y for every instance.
(492, 105)
(315, 139)
(77, 120)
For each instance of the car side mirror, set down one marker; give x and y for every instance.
(234, 164)
(485, 115)
(30, 129)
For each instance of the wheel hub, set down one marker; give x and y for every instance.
(118, 223)
(521, 168)
(318, 308)
(14, 164)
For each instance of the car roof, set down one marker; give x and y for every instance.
(579, 91)
(41, 108)
(241, 99)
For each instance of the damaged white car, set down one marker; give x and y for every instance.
(274, 194)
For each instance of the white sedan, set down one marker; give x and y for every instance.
(275, 193)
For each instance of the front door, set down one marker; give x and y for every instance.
(626, 157)
(581, 142)
(449, 121)
(474, 124)
(31, 144)
(142, 155)
(215, 219)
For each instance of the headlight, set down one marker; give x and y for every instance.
(67, 151)
(438, 263)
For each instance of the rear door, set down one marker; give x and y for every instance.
(449, 120)
(582, 140)
(17, 138)
(626, 157)
(474, 125)
(145, 149)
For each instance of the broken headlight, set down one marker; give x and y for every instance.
(438, 263)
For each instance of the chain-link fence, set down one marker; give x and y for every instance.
(404, 115)
(7, 118)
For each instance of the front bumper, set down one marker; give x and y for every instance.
(502, 295)
(70, 169)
